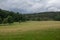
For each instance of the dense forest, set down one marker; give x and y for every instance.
(10, 17)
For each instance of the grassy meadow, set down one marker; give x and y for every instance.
(31, 30)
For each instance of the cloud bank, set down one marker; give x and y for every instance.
(30, 6)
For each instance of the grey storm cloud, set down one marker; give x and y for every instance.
(30, 6)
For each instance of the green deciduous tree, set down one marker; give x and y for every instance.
(5, 20)
(57, 18)
(0, 20)
(10, 19)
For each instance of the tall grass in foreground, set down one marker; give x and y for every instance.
(32, 30)
(51, 34)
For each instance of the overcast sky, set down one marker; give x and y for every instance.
(30, 6)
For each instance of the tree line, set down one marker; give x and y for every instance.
(44, 16)
(11, 17)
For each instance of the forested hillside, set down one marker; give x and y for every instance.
(10, 17)
(44, 16)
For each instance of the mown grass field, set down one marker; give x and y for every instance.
(32, 30)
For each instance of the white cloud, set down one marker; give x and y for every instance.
(28, 6)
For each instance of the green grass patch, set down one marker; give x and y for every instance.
(33, 35)
(31, 30)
